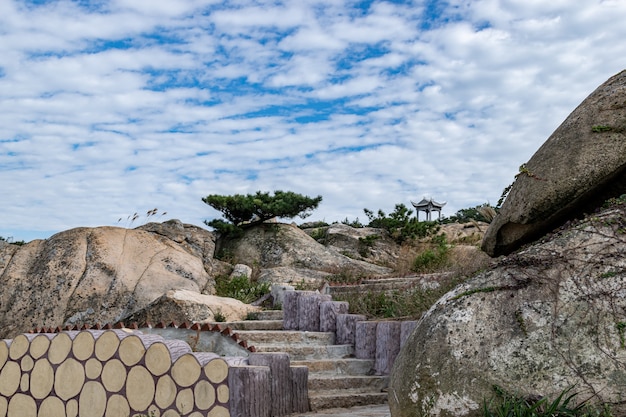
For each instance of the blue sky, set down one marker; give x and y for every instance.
(114, 107)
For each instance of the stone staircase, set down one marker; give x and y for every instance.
(389, 284)
(336, 378)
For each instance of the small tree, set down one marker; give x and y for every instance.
(482, 213)
(245, 210)
(400, 224)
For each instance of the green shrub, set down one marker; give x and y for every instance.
(482, 213)
(219, 316)
(381, 304)
(433, 258)
(240, 288)
(400, 225)
(601, 128)
(354, 223)
(410, 303)
(365, 243)
(319, 234)
(252, 315)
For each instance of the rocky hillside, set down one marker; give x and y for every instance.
(99, 274)
(107, 274)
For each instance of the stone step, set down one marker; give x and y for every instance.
(306, 352)
(393, 281)
(376, 287)
(409, 278)
(290, 337)
(346, 366)
(336, 378)
(365, 383)
(252, 324)
(269, 315)
(346, 398)
(389, 284)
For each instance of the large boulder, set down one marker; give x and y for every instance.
(103, 274)
(197, 241)
(267, 246)
(184, 306)
(364, 243)
(293, 275)
(580, 165)
(547, 318)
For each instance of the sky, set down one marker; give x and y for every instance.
(115, 107)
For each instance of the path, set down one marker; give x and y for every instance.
(366, 411)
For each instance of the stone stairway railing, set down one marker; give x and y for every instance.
(126, 372)
(378, 340)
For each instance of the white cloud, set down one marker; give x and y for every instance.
(124, 107)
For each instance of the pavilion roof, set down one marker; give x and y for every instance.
(428, 203)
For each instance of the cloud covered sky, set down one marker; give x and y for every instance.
(111, 107)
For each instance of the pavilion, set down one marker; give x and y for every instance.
(428, 205)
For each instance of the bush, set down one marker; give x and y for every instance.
(482, 213)
(219, 316)
(433, 258)
(409, 304)
(400, 225)
(240, 288)
(354, 223)
(365, 243)
(319, 234)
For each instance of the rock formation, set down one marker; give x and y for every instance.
(99, 274)
(156, 272)
(547, 318)
(276, 245)
(580, 165)
(365, 243)
(181, 306)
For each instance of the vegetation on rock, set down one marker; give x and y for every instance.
(10, 241)
(400, 224)
(481, 213)
(240, 210)
(240, 288)
(509, 405)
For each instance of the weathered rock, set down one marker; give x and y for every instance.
(197, 241)
(278, 293)
(241, 270)
(580, 165)
(181, 306)
(549, 317)
(278, 244)
(293, 275)
(367, 244)
(470, 233)
(95, 275)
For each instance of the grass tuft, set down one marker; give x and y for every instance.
(564, 405)
(240, 288)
